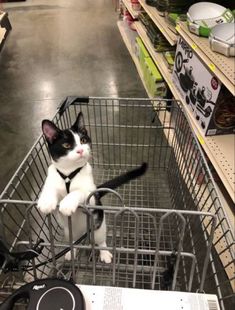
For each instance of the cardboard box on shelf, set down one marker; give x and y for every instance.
(212, 107)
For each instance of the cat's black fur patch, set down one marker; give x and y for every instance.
(56, 149)
(56, 137)
(123, 179)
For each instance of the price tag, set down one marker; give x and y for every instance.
(194, 46)
(201, 140)
(177, 27)
(212, 67)
(170, 83)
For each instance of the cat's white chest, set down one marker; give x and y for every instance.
(83, 181)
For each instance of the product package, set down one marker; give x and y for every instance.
(213, 108)
(152, 77)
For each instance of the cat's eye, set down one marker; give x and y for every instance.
(83, 140)
(66, 145)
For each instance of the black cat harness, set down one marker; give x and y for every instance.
(68, 178)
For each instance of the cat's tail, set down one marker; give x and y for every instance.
(123, 178)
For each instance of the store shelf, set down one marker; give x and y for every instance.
(128, 5)
(167, 30)
(219, 149)
(220, 153)
(221, 66)
(224, 233)
(158, 59)
(127, 38)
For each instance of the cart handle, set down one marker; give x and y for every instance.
(71, 100)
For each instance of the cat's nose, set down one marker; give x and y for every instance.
(80, 151)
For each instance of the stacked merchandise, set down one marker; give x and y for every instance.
(145, 19)
(222, 39)
(158, 40)
(173, 10)
(174, 6)
(206, 100)
(169, 59)
(176, 10)
(135, 5)
(129, 20)
(152, 77)
(127, 17)
(224, 114)
(215, 21)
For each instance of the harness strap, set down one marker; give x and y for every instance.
(68, 178)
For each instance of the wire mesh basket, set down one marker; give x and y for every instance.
(163, 228)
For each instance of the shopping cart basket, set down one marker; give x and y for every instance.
(164, 229)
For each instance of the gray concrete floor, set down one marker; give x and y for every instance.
(57, 48)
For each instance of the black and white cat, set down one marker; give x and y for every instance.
(70, 180)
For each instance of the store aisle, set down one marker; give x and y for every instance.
(56, 48)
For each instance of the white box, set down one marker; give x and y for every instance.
(200, 91)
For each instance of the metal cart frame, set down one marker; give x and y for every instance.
(162, 228)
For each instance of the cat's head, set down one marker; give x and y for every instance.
(70, 146)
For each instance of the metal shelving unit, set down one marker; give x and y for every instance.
(128, 5)
(158, 58)
(127, 40)
(219, 149)
(167, 30)
(220, 65)
(127, 36)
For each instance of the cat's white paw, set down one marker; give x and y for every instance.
(68, 255)
(67, 207)
(106, 256)
(70, 203)
(47, 204)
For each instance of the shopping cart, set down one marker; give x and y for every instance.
(164, 228)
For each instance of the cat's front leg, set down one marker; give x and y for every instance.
(47, 201)
(105, 255)
(70, 203)
(100, 239)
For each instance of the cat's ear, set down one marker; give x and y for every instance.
(50, 130)
(79, 123)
